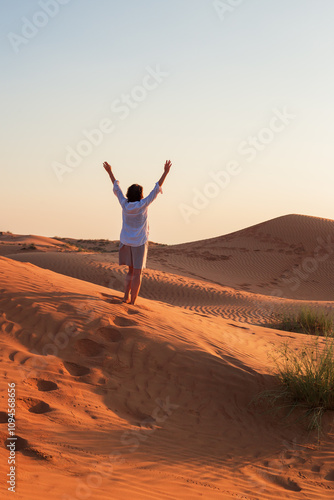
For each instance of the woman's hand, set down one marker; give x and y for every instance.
(107, 167)
(168, 164)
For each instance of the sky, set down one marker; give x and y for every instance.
(236, 93)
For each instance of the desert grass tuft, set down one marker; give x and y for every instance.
(306, 320)
(305, 376)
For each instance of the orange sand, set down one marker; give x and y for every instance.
(152, 401)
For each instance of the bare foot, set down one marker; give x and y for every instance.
(126, 300)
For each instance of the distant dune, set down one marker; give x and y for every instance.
(239, 275)
(290, 255)
(153, 401)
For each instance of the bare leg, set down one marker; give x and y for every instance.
(128, 281)
(135, 286)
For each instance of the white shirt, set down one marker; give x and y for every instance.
(135, 228)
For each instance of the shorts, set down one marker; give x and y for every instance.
(133, 256)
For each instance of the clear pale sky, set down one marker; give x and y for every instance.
(238, 94)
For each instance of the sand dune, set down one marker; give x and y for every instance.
(7, 238)
(199, 295)
(153, 401)
(290, 256)
(166, 389)
(241, 276)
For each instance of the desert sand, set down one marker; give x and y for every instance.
(153, 401)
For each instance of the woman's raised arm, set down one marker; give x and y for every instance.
(168, 164)
(107, 167)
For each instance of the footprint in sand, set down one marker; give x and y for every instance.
(285, 483)
(46, 385)
(110, 333)
(121, 321)
(20, 443)
(36, 405)
(76, 370)
(23, 446)
(3, 417)
(24, 358)
(88, 347)
(133, 311)
(144, 421)
(330, 475)
(16, 355)
(12, 355)
(43, 385)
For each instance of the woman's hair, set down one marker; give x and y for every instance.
(134, 193)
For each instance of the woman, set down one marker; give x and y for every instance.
(134, 234)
